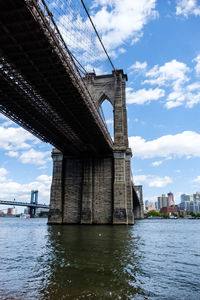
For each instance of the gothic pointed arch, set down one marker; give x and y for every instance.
(104, 96)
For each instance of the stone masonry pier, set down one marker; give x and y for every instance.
(92, 189)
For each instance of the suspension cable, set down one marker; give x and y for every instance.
(97, 34)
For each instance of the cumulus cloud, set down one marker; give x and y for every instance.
(173, 77)
(10, 189)
(197, 179)
(21, 192)
(197, 67)
(174, 72)
(187, 7)
(109, 122)
(12, 153)
(13, 138)
(123, 22)
(157, 163)
(118, 25)
(138, 66)
(152, 181)
(143, 96)
(185, 144)
(3, 173)
(44, 178)
(34, 157)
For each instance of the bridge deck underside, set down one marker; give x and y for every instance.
(39, 88)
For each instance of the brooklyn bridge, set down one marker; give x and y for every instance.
(44, 89)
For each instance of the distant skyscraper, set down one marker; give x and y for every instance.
(156, 205)
(196, 197)
(146, 203)
(163, 201)
(171, 198)
(159, 202)
(185, 197)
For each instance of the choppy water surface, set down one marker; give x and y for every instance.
(154, 259)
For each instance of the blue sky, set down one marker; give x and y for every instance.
(157, 44)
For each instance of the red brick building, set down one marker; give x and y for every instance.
(170, 209)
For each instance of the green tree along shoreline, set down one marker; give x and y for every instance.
(153, 213)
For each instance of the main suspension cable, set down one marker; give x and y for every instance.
(97, 34)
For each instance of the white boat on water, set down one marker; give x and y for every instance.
(25, 216)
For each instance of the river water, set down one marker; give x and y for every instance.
(154, 259)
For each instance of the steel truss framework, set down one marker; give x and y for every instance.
(41, 87)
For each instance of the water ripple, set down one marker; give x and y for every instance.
(154, 259)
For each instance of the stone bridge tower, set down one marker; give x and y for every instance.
(97, 190)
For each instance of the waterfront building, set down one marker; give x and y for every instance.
(163, 201)
(171, 209)
(185, 197)
(195, 206)
(12, 211)
(26, 211)
(196, 197)
(185, 205)
(190, 206)
(42, 212)
(191, 198)
(149, 206)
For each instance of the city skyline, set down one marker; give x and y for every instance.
(157, 44)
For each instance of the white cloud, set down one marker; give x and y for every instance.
(118, 22)
(183, 144)
(109, 122)
(187, 7)
(152, 181)
(197, 179)
(193, 87)
(173, 72)
(12, 138)
(138, 66)
(10, 189)
(139, 179)
(21, 192)
(143, 96)
(35, 157)
(97, 70)
(57, 4)
(197, 67)
(124, 21)
(45, 179)
(12, 153)
(3, 173)
(173, 77)
(157, 163)
(160, 181)
(121, 50)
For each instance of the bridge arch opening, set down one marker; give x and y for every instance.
(106, 110)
